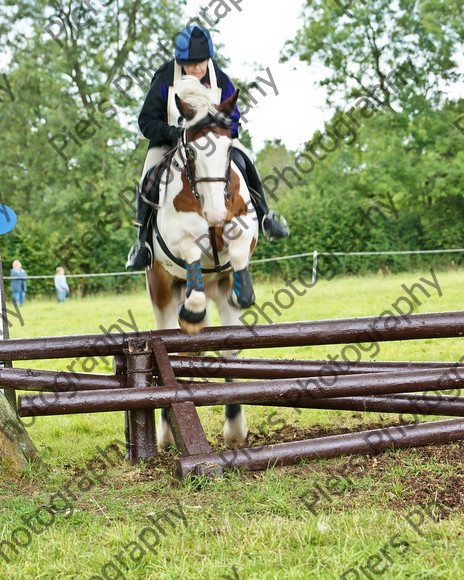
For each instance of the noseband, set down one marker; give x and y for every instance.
(188, 155)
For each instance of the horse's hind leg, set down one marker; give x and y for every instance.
(164, 432)
(235, 427)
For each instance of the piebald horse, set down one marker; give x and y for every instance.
(204, 232)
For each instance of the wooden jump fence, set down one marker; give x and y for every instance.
(148, 376)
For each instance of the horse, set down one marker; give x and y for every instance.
(204, 233)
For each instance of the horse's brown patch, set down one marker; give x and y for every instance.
(253, 245)
(218, 232)
(235, 204)
(195, 134)
(185, 200)
(159, 283)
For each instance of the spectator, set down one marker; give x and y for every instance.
(18, 283)
(61, 285)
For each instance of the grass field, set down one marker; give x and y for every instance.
(396, 515)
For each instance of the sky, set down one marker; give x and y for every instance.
(253, 40)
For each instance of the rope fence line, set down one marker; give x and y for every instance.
(315, 254)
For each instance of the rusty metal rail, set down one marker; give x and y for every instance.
(403, 403)
(316, 332)
(372, 441)
(58, 381)
(266, 368)
(290, 391)
(211, 367)
(147, 378)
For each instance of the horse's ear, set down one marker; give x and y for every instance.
(186, 111)
(228, 106)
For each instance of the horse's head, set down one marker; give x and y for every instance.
(206, 148)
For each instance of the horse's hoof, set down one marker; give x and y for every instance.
(191, 322)
(235, 431)
(164, 435)
(241, 295)
(190, 328)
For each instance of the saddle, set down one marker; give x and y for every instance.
(248, 171)
(150, 192)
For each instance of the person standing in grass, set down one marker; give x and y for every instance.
(61, 285)
(18, 283)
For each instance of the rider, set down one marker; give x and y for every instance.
(159, 122)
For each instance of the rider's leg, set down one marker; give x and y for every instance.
(140, 254)
(269, 221)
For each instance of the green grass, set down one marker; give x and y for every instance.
(255, 522)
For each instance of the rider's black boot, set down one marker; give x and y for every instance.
(272, 224)
(141, 255)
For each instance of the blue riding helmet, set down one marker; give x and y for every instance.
(193, 45)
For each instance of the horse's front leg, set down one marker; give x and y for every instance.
(192, 312)
(242, 235)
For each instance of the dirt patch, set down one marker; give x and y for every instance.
(294, 433)
(422, 476)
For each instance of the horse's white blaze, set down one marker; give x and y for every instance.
(213, 164)
(235, 430)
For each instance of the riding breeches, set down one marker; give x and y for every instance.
(154, 156)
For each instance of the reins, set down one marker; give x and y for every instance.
(187, 156)
(189, 167)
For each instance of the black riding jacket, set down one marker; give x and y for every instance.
(153, 118)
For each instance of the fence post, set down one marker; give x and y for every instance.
(183, 418)
(141, 422)
(10, 393)
(120, 369)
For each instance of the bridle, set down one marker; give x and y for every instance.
(188, 155)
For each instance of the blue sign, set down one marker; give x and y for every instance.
(8, 219)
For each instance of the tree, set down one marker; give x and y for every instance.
(16, 447)
(71, 151)
(387, 68)
(360, 43)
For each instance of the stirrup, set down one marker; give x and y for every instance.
(140, 256)
(279, 220)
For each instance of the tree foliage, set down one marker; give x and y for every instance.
(407, 146)
(71, 151)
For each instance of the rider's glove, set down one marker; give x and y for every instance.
(172, 133)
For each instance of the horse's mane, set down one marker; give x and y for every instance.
(197, 96)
